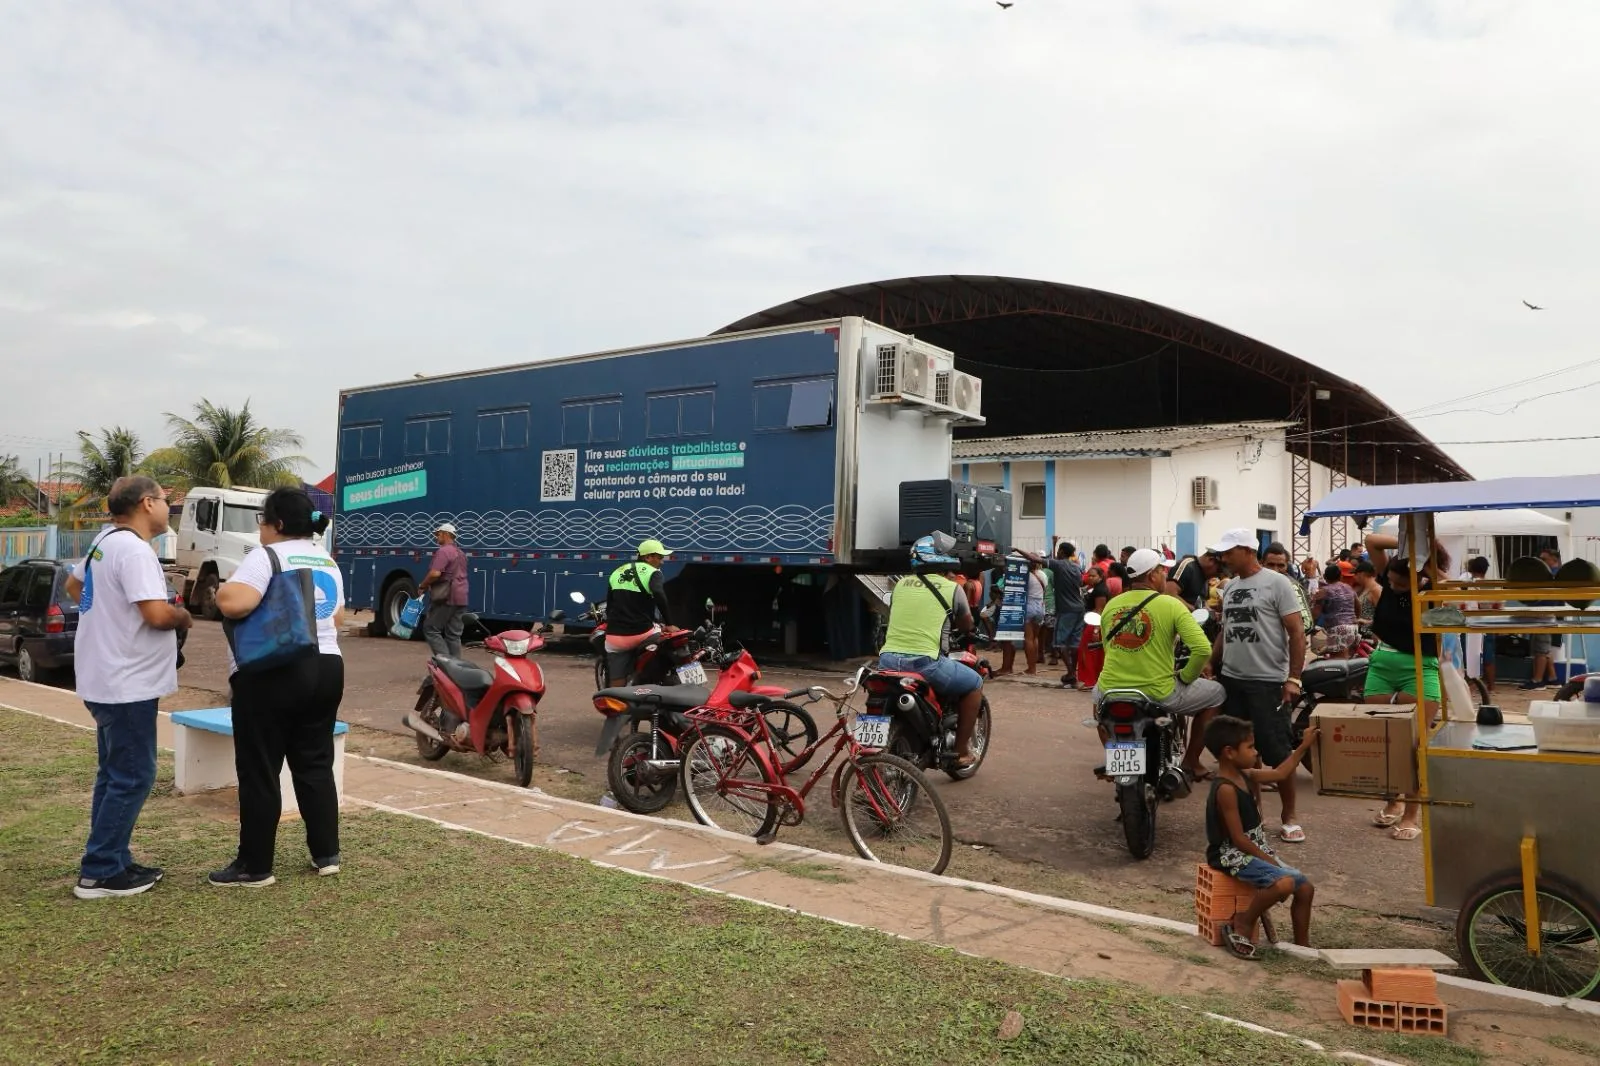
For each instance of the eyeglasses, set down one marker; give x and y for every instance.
(261, 518)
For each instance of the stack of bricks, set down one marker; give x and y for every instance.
(1394, 1000)
(1217, 899)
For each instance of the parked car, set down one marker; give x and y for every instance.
(38, 623)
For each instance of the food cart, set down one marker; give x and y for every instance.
(1508, 828)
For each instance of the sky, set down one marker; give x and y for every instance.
(268, 200)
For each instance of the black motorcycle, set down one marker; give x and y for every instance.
(1144, 756)
(919, 728)
(1324, 681)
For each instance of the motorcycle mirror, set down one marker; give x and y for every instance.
(557, 616)
(1201, 615)
(576, 597)
(1092, 618)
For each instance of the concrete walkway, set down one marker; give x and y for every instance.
(1061, 937)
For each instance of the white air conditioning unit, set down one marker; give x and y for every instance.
(1203, 491)
(966, 394)
(903, 371)
(941, 387)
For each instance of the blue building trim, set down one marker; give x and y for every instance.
(1049, 506)
(966, 472)
(1005, 476)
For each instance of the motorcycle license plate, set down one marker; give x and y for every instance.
(871, 730)
(1124, 760)
(693, 674)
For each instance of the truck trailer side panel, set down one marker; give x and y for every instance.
(726, 450)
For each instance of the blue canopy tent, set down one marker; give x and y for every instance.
(1366, 501)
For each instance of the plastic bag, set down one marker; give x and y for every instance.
(410, 618)
(1458, 699)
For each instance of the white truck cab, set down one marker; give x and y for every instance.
(217, 531)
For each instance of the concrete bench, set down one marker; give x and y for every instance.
(202, 745)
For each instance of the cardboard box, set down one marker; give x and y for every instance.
(1366, 748)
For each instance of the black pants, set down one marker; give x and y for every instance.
(286, 714)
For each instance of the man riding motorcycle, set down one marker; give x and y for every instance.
(1140, 630)
(922, 608)
(634, 597)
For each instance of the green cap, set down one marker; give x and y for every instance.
(652, 547)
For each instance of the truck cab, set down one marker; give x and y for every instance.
(217, 530)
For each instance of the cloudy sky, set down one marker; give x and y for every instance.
(270, 199)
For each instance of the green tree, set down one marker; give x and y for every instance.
(15, 484)
(100, 463)
(223, 448)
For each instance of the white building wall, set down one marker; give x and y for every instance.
(1249, 473)
(1103, 501)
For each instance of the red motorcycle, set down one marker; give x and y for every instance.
(670, 658)
(643, 766)
(463, 707)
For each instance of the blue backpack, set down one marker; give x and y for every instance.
(282, 628)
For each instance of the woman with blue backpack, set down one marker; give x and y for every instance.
(282, 609)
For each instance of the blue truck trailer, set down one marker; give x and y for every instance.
(768, 461)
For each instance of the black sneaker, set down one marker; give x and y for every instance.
(326, 867)
(154, 871)
(129, 882)
(233, 875)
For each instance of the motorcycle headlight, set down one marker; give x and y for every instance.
(516, 647)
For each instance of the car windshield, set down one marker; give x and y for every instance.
(239, 519)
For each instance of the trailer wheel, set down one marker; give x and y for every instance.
(396, 594)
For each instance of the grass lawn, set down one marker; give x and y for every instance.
(437, 947)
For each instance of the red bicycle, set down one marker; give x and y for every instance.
(733, 778)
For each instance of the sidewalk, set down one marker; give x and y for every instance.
(1060, 937)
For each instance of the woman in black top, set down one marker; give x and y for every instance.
(1392, 668)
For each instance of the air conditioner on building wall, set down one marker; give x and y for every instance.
(966, 394)
(1203, 491)
(903, 371)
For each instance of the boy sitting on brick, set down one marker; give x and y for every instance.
(1237, 843)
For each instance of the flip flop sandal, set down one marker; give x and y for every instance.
(1405, 832)
(1384, 820)
(1241, 947)
(1292, 834)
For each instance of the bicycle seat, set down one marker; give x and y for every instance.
(742, 700)
(470, 678)
(680, 697)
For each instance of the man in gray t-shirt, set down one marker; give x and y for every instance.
(1258, 653)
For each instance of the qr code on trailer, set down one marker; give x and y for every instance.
(558, 480)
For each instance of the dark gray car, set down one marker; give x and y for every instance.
(38, 623)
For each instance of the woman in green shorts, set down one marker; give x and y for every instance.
(1392, 669)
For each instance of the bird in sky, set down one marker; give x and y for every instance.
(1002, 5)
(1531, 307)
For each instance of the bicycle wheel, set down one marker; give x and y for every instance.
(1491, 932)
(793, 731)
(892, 814)
(717, 769)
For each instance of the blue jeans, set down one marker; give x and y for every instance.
(949, 679)
(125, 734)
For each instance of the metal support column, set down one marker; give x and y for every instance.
(1338, 478)
(1300, 477)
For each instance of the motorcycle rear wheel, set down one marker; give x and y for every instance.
(427, 747)
(524, 759)
(980, 746)
(1138, 803)
(627, 777)
(793, 732)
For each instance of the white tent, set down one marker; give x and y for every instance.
(1520, 522)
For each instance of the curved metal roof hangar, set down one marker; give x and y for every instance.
(1062, 358)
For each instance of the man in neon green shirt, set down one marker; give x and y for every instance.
(1141, 629)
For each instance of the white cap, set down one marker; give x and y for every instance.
(1143, 561)
(1236, 538)
(446, 527)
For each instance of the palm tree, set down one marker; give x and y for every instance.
(15, 484)
(223, 448)
(116, 454)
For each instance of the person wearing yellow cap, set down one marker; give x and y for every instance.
(635, 597)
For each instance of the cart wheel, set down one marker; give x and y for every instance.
(1491, 935)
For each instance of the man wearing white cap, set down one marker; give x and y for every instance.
(446, 586)
(1258, 654)
(1144, 625)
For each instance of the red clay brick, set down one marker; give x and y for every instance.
(1359, 1009)
(1409, 984)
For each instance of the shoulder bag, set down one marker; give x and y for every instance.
(282, 628)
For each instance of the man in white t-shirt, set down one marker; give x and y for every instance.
(126, 657)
